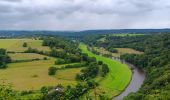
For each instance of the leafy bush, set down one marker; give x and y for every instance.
(24, 44)
(52, 70)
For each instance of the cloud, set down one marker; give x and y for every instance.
(83, 14)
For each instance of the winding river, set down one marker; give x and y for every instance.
(136, 81)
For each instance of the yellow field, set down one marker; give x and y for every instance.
(25, 56)
(34, 75)
(6, 43)
(16, 44)
(128, 50)
(120, 51)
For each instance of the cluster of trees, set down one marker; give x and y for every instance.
(156, 62)
(62, 48)
(24, 44)
(61, 43)
(68, 93)
(71, 93)
(112, 42)
(4, 58)
(92, 70)
(52, 71)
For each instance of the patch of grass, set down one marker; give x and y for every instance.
(67, 74)
(128, 50)
(25, 56)
(16, 45)
(117, 79)
(120, 51)
(6, 43)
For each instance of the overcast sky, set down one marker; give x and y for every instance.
(83, 14)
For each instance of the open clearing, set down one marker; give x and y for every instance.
(117, 79)
(26, 56)
(120, 51)
(16, 45)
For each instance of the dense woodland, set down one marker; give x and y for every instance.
(155, 61)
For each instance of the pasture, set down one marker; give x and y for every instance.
(16, 45)
(117, 79)
(25, 56)
(120, 51)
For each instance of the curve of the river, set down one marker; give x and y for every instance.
(135, 83)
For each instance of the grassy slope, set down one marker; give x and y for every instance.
(25, 56)
(120, 51)
(16, 44)
(117, 79)
(6, 43)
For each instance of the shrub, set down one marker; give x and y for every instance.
(60, 61)
(45, 58)
(24, 44)
(52, 70)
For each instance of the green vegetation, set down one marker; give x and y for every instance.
(25, 56)
(4, 58)
(127, 34)
(52, 71)
(79, 71)
(25, 44)
(154, 59)
(16, 45)
(118, 77)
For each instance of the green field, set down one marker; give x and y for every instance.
(26, 56)
(117, 79)
(16, 44)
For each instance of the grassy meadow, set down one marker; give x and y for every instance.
(26, 56)
(16, 45)
(120, 51)
(117, 79)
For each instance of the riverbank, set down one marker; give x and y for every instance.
(118, 78)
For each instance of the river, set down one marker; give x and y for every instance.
(135, 83)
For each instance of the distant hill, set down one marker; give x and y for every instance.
(79, 33)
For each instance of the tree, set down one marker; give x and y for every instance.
(2, 51)
(105, 69)
(52, 70)
(24, 44)
(100, 62)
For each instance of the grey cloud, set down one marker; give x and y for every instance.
(83, 14)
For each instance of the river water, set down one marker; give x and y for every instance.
(135, 83)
